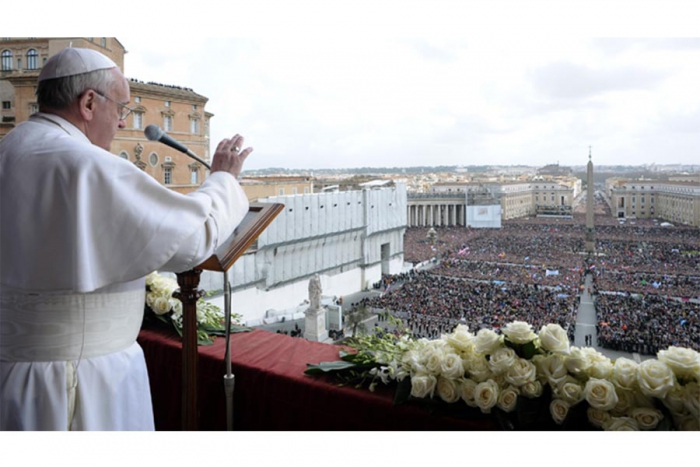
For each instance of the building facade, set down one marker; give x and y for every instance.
(264, 187)
(447, 203)
(677, 202)
(178, 110)
(348, 238)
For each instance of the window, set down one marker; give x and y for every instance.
(281, 191)
(6, 60)
(167, 103)
(6, 105)
(104, 42)
(138, 119)
(19, 63)
(306, 190)
(32, 60)
(194, 126)
(124, 155)
(33, 108)
(168, 176)
(137, 99)
(294, 190)
(153, 159)
(168, 123)
(194, 106)
(194, 176)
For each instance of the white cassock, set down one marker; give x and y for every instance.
(80, 230)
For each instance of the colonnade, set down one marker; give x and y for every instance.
(435, 214)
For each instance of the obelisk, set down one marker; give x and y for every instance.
(590, 201)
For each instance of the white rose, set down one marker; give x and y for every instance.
(461, 339)
(531, 389)
(467, 389)
(691, 398)
(625, 401)
(655, 378)
(478, 368)
(412, 359)
(578, 362)
(600, 394)
(674, 399)
(553, 338)
(646, 418)
(601, 369)
(508, 399)
(487, 342)
(161, 306)
(519, 332)
(642, 400)
(486, 395)
(621, 424)
(448, 390)
(625, 373)
(553, 368)
(452, 367)
(522, 371)
(598, 417)
(594, 355)
(423, 385)
(432, 359)
(689, 423)
(502, 359)
(151, 277)
(570, 390)
(685, 363)
(559, 409)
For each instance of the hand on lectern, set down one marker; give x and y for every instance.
(229, 157)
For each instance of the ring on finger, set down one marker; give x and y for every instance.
(235, 149)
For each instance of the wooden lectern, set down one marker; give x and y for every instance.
(259, 216)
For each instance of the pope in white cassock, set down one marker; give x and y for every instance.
(80, 229)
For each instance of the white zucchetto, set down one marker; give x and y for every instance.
(74, 61)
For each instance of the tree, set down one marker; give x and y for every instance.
(356, 319)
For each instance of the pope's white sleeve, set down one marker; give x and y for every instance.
(229, 204)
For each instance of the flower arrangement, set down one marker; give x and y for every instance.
(160, 305)
(529, 380)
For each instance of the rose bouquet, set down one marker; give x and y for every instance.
(162, 306)
(530, 380)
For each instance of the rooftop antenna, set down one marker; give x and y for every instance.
(589, 153)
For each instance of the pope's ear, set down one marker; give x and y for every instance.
(86, 104)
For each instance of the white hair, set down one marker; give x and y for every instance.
(60, 93)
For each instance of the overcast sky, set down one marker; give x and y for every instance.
(327, 88)
(349, 102)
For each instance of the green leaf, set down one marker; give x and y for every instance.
(327, 367)
(528, 350)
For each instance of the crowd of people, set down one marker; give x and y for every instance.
(647, 323)
(684, 286)
(567, 279)
(430, 304)
(547, 255)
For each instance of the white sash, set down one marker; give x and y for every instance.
(43, 327)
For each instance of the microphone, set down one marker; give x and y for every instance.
(154, 133)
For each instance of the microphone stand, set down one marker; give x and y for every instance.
(229, 378)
